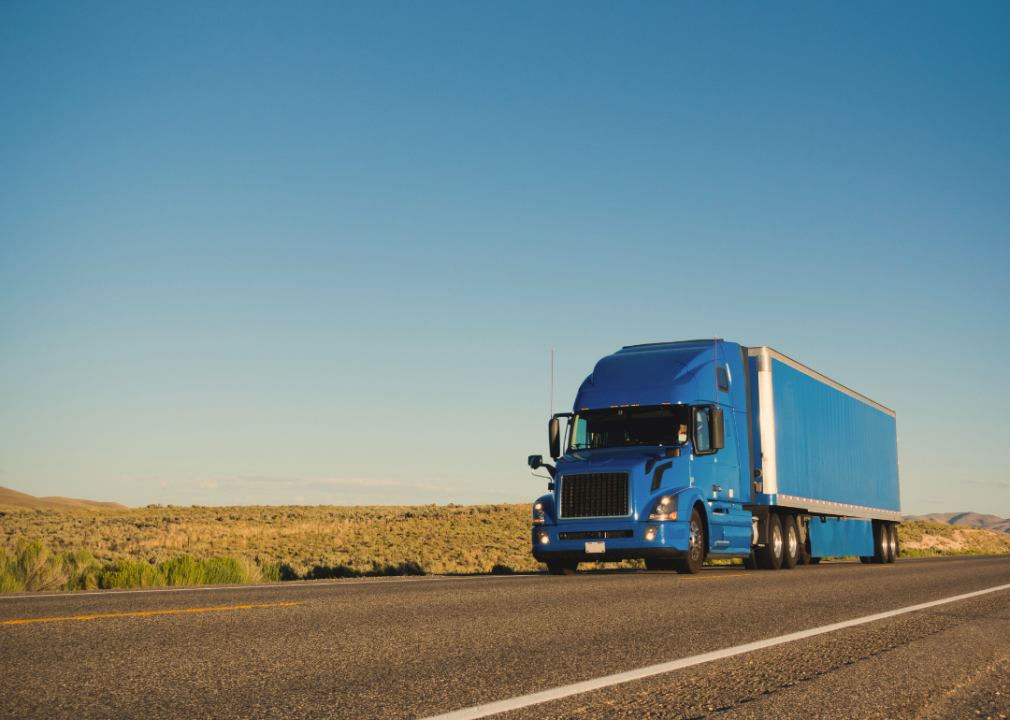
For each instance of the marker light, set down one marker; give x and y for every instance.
(539, 516)
(665, 508)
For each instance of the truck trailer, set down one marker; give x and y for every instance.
(679, 452)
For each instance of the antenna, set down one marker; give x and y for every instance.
(715, 368)
(552, 382)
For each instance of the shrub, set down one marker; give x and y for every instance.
(270, 572)
(223, 570)
(500, 569)
(32, 568)
(129, 574)
(183, 570)
(82, 570)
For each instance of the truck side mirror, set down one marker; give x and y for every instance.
(554, 438)
(535, 461)
(718, 429)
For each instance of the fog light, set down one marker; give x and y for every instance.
(650, 532)
(543, 537)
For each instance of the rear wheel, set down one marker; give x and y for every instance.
(560, 567)
(866, 560)
(892, 543)
(750, 562)
(791, 542)
(695, 547)
(881, 543)
(770, 556)
(814, 560)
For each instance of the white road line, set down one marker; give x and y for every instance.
(564, 691)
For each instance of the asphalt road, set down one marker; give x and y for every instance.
(413, 648)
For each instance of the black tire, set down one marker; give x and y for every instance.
(695, 547)
(561, 567)
(892, 537)
(750, 562)
(814, 560)
(770, 556)
(881, 543)
(866, 560)
(790, 543)
(805, 558)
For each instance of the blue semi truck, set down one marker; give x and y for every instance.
(681, 451)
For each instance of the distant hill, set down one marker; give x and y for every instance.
(967, 519)
(20, 499)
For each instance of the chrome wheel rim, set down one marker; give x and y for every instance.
(694, 541)
(792, 543)
(777, 542)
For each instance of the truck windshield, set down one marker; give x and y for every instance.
(629, 427)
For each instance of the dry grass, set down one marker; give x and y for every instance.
(175, 545)
(320, 541)
(932, 538)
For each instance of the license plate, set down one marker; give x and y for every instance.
(596, 547)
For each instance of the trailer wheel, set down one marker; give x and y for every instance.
(881, 543)
(805, 558)
(750, 562)
(791, 543)
(562, 568)
(892, 543)
(770, 556)
(695, 547)
(866, 560)
(814, 560)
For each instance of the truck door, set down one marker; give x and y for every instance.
(717, 473)
(703, 473)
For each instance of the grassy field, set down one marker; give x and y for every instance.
(81, 548)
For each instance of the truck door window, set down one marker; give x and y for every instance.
(702, 421)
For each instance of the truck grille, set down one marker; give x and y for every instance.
(594, 495)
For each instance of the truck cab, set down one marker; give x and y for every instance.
(653, 463)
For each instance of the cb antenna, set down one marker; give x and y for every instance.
(552, 382)
(715, 349)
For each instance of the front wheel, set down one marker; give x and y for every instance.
(558, 567)
(695, 547)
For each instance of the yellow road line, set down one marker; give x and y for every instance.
(149, 612)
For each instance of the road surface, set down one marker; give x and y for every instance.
(421, 647)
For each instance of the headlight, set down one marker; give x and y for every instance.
(539, 516)
(664, 509)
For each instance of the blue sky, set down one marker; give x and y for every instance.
(255, 253)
